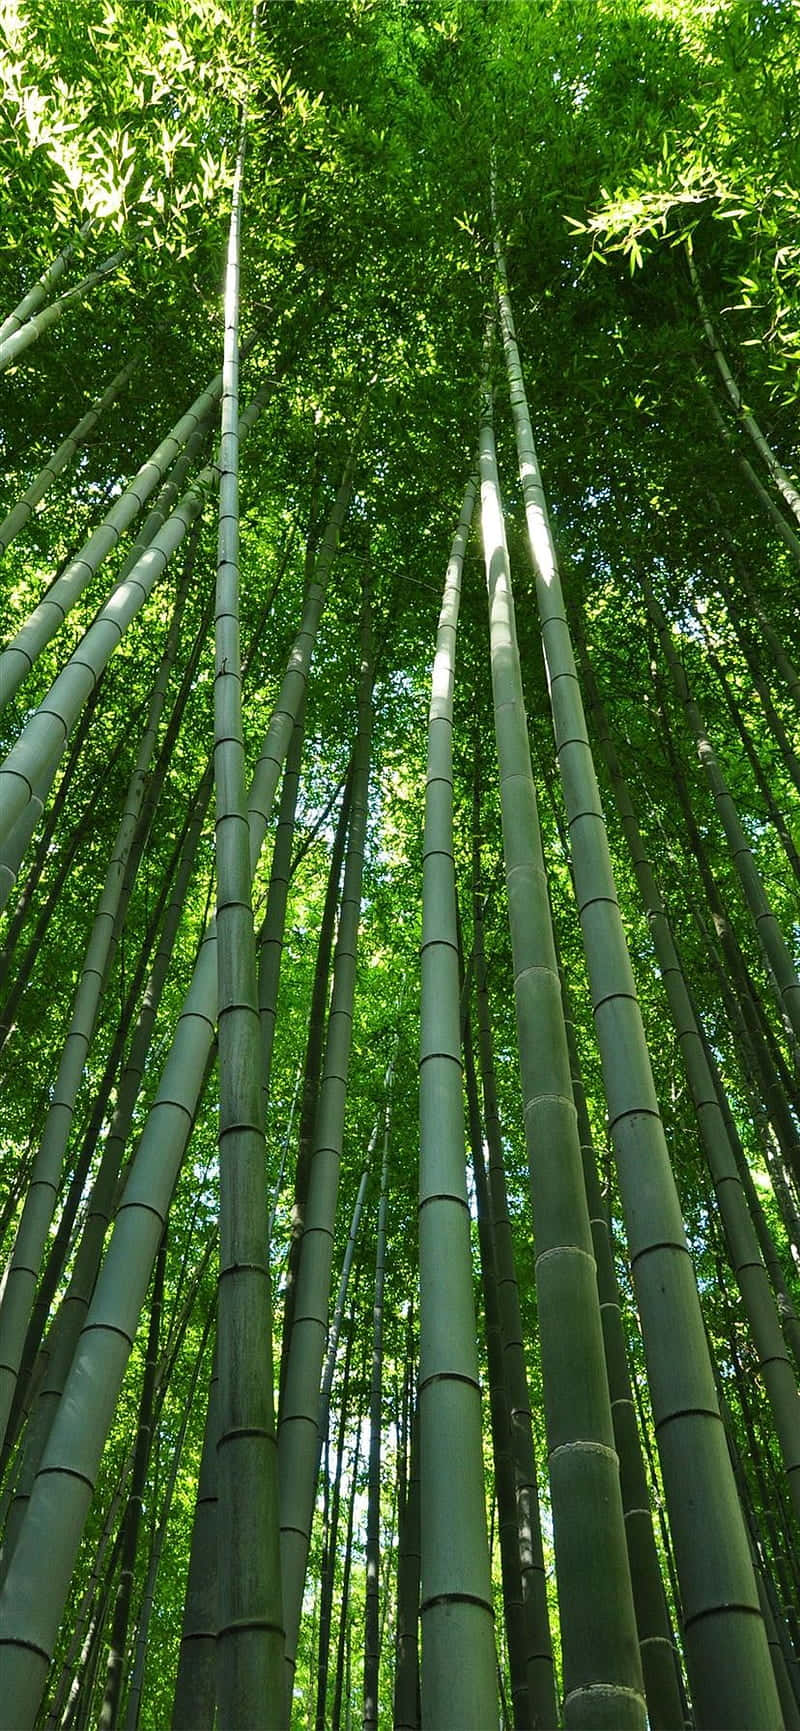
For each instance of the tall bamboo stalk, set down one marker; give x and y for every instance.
(539, 1648)
(11, 347)
(779, 476)
(771, 938)
(134, 1508)
(44, 737)
(35, 296)
(43, 1188)
(135, 1689)
(298, 1437)
(18, 657)
(21, 513)
(373, 1553)
(194, 1703)
(602, 1672)
(726, 1647)
(505, 1489)
(38, 1579)
(459, 1686)
(743, 1248)
(250, 1634)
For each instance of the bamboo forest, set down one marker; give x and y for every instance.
(399, 865)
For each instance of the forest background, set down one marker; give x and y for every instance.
(629, 171)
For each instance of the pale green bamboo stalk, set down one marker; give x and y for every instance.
(56, 1354)
(299, 1416)
(22, 512)
(785, 486)
(50, 726)
(539, 1647)
(37, 1584)
(775, 948)
(133, 1703)
(38, 293)
(338, 1310)
(743, 1249)
(601, 1668)
(134, 1508)
(15, 847)
(18, 657)
(42, 1195)
(11, 347)
(194, 1702)
(271, 937)
(773, 642)
(516, 1634)
(660, 1662)
(773, 510)
(459, 1685)
(372, 1558)
(249, 1645)
(725, 1643)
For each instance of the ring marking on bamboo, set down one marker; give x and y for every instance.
(585, 1447)
(243, 1623)
(456, 1599)
(563, 1250)
(245, 1430)
(449, 1376)
(714, 1611)
(632, 1111)
(612, 1691)
(444, 1196)
(685, 1412)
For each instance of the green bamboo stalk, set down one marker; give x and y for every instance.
(36, 295)
(786, 1310)
(539, 1656)
(772, 941)
(740, 1235)
(11, 347)
(740, 1008)
(312, 1068)
(194, 1701)
(407, 1712)
(771, 807)
(22, 512)
(601, 1667)
(772, 641)
(55, 1356)
(373, 1555)
(59, 1248)
(505, 1489)
(271, 936)
(41, 853)
(249, 1645)
(341, 1296)
(779, 476)
(19, 655)
(38, 1580)
(298, 1438)
(15, 845)
(41, 1199)
(134, 1701)
(342, 1683)
(773, 719)
(49, 728)
(459, 1686)
(134, 1508)
(773, 510)
(331, 1535)
(726, 1647)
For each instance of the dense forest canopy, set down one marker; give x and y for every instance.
(400, 1024)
